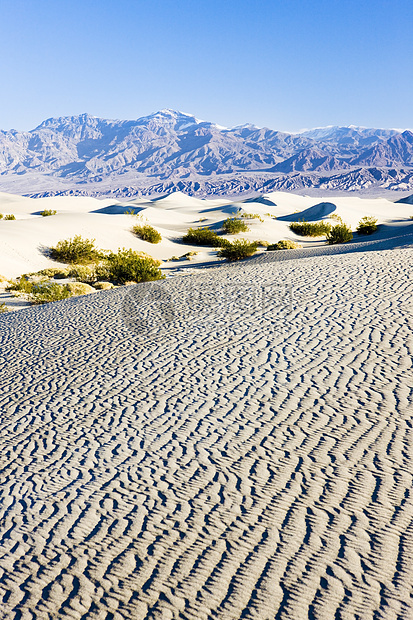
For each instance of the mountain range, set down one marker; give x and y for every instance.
(169, 151)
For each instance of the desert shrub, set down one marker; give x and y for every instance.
(201, 236)
(310, 229)
(341, 233)
(48, 212)
(284, 244)
(128, 266)
(83, 273)
(232, 226)
(10, 217)
(22, 285)
(3, 307)
(45, 292)
(130, 212)
(262, 244)
(78, 288)
(1, 216)
(238, 249)
(335, 216)
(147, 233)
(76, 250)
(367, 225)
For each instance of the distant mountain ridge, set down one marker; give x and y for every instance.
(171, 150)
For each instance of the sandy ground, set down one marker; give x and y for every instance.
(231, 444)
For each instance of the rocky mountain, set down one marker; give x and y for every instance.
(171, 150)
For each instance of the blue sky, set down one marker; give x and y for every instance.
(285, 64)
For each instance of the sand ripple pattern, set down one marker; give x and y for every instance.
(250, 456)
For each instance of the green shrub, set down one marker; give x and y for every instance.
(76, 250)
(129, 266)
(3, 307)
(47, 212)
(310, 229)
(284, 244)
(45, 292)
(1, 216)
(147, 233)
(9, 217)
(367, 225)
(201, 236)
(238, 249)
(83, 273)
(232, 226)
(341, 233)
(22, 285)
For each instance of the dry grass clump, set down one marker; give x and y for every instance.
(284, 244)
(238, 249)
(233, 226)
(147, 233)
(76, 250)
(310, 229)
(367, 225)
(10, 217)
(3, 307)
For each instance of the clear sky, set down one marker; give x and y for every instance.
(285, 64)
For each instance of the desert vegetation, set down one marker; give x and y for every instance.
(202, 236)
(340, 233)
(48, 212)
(126, 265)
(75, 250)
(233, 226)
(367, 225)
(310, 229)
(284, 244)
(238, 249)
(147, 233)
(10, 216)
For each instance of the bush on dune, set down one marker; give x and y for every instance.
(10, 217)
(367, 225)
(238, 249)
(201, 236)
(284, 244)
(233, 226)
(147, 233)
(128, 266)
(48, 212)
(45, 292)
(341, 233)
(310, 229)
(76, 250)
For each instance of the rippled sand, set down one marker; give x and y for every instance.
(234, 444)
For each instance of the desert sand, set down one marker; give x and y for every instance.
(228, 443)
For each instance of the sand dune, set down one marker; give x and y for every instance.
(23, 242)
(231, 444)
